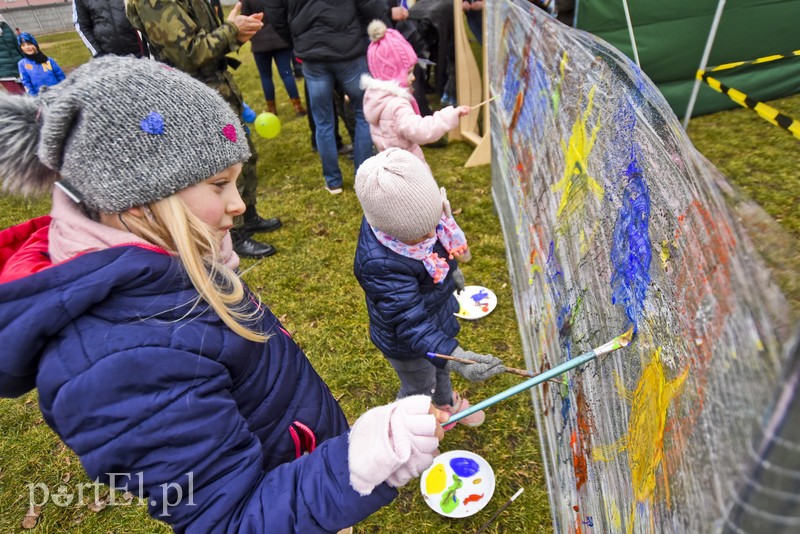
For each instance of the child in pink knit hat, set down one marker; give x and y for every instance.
(389, 106)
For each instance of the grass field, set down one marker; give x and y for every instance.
(309, 284)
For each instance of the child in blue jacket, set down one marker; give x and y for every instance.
(36, 69)
(407, 263)
(152, 359)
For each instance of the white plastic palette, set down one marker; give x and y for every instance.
(475, 302)
(457, 484)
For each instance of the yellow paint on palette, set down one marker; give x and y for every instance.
(645, 439)
(576, 184)
(436, 480)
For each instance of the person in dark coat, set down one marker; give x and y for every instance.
(156, 364)
(406, 261)
(10, 56)
(330, 38)
(267, 46)
(104, 28)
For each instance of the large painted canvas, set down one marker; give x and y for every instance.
(612, 219)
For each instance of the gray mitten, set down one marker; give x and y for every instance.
(485, 365)
(458, 280)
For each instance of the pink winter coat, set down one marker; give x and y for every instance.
(394, 119)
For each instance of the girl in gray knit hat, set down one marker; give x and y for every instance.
(407, 263)
(153, 361)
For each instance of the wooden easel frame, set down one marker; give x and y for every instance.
(471, 90)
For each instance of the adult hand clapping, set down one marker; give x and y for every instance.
(247, 25)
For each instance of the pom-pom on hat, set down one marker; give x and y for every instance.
(389, 55)
(399, 195)
(119, 132)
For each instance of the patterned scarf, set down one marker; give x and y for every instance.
(447, 231)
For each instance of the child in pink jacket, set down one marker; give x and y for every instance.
(389, 106)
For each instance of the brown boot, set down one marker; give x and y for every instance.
(298, 107)
(271, 107)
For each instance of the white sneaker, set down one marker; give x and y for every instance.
(333, 190)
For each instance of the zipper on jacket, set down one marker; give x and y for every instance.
(305, 441)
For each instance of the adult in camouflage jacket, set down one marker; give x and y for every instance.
(186, 35)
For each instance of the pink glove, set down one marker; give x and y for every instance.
(392, 443)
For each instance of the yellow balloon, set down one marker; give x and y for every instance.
(268, 125)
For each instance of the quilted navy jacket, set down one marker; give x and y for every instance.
(409, 315)
(137, 380)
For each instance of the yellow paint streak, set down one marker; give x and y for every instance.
(645, 438)
(576, 184)
(664, 254)
(651, 401)
(616, 519)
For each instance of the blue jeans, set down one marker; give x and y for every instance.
(283, 60)
(320, 78)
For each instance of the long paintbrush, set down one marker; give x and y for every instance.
(607, 348)
(512, 370)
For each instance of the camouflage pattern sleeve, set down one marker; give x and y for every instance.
(183, 33)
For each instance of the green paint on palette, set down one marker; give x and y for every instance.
(449, 501)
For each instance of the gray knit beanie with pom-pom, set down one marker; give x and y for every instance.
(399, 195)
(118, 133)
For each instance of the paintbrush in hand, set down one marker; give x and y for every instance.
(512, 370)
(598, 352)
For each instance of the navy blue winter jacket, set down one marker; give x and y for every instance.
(136, 380)
(409, 315)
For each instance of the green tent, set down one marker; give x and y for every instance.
(671, 36)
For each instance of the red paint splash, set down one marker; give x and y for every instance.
(473, 498)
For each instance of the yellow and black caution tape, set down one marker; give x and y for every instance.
(765, 59)
(764, 111)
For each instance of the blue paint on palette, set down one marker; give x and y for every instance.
(464, 467)
(631, 250)
(479, 296)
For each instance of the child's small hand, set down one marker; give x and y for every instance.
(394, 443)
(484, 365)
(441, 418)
(462, 256)
(458, 280)
(463, 111)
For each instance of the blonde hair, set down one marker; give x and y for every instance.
(169, 224)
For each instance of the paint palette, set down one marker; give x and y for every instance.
(475, 302)
(457, 484)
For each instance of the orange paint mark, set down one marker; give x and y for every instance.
(705, 298)
(473, 498)
(578, 460)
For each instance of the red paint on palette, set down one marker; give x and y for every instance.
(473, 498)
